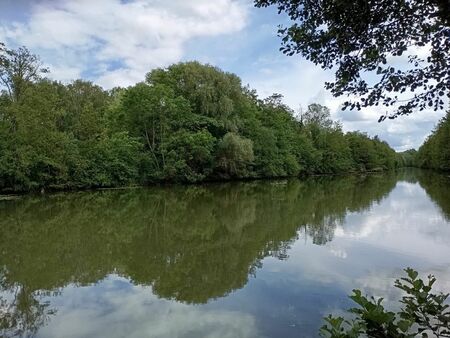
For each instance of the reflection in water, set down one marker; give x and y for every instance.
(188, 244)
(437, 188)
(22, 314)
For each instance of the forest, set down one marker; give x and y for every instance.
(186, 123)
(435, 152)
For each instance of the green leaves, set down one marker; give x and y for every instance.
(423, 313)
(18, 68)
(335, 328)
(357, 39)
(235, 154)
(186, 123)
(426, 309)
(435, 152)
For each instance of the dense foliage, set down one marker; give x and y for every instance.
(408, 158)
(435, 152)
(373, 47)
(423, 313)
(186, 123)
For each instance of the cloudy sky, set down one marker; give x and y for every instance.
(116, 42)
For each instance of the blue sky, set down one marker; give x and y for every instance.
(115, 42)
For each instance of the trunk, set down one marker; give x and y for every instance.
(151, 147)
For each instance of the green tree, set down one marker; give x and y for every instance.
(210, 91)
(278, 141)
(41, 148)
(435, 152)
(363, 151)
(18, 68)
(318, 116)
(408, 158)
(85, 107)
(189, 155)
(235, 155)
(150, 112)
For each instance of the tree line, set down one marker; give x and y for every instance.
(435, 152)
(189, 122)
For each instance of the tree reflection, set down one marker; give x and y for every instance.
(191, 244)
(22, 312)
(437, 187)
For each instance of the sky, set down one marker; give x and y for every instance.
(116, 42)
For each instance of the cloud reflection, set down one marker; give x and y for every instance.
(116, 308)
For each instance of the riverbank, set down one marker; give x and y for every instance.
(9, 195)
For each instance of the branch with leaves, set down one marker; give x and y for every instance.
(373, 46)
(424, 313)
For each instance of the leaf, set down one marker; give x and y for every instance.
(404, 325)
(411, 273)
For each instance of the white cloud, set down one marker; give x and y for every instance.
(298, 80)
(115, 308)
(136, 36)
(413, 218)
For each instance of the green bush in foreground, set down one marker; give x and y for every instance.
(423, 313)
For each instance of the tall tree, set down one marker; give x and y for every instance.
(317, 115)
(359, 37)
(18, 68)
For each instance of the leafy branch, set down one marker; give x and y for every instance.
(423, 313)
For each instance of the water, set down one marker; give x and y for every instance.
(258, 259)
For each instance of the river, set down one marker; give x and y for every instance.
(242, 259)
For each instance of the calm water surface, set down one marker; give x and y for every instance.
(259, 259)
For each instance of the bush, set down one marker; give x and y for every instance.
(423, 313)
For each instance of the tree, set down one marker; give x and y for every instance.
(189, 156)
(210, 91)
(408, 158)
(317, 115)
(435, 152)
(363, 152)
(278, 142)
(234, 155)
(85, 106)
(150, 112)
(18, 68)
(356, 37)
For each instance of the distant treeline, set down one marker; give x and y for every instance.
(186, 123)
(435, 152)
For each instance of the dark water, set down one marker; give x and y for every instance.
(259, 259)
